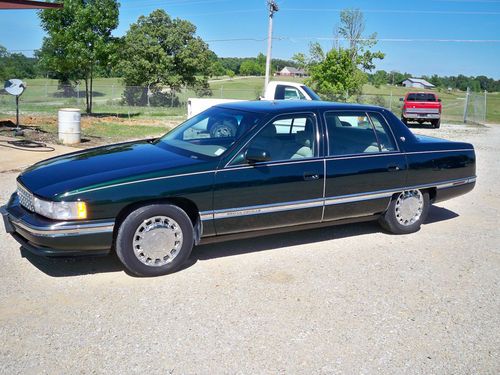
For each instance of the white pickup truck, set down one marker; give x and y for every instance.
(276, 90)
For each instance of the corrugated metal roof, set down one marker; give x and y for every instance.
(421, 81)
(27, 4)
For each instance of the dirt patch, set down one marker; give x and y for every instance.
(44, 128)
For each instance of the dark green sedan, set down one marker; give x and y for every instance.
(236, 170)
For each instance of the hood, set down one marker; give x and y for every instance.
(54, 177)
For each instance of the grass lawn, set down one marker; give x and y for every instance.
(115, 121)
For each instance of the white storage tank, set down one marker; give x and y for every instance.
(68, 123)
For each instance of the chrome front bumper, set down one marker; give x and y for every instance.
(56, 238)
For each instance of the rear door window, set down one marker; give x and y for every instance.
(351, 133)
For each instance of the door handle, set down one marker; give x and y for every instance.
(393, 168)
(311, 176)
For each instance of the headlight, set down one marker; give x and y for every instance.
(60, 210)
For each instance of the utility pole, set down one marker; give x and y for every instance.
(273, 8)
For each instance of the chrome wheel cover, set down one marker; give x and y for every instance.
(409, 207)
(157, 241)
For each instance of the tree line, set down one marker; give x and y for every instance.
(460, 82)
(160, 55)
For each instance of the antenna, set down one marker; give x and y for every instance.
(16, 88)
(273, 8)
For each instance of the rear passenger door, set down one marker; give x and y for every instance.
(363, 164)
(285, 190)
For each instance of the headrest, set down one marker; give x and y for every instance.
(269, 131)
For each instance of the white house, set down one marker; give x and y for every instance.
(289, 71)
(417, 83)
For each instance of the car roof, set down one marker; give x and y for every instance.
(282, 106)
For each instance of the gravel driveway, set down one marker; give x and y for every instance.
(348, 299)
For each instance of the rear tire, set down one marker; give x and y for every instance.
(155, 240)
(406, 212)
(404, 121)
(436, 124)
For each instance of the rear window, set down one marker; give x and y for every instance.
(421, 97)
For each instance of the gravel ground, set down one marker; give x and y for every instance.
(348, 299)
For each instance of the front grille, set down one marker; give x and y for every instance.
(25, 198)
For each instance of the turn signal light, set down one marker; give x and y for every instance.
(82, 210)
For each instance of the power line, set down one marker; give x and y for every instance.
(327, 38)
(399, 40)
(403, 11)
(162, 3)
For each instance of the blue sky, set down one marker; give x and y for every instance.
(299, 22)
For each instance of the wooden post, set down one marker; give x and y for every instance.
(466, 107)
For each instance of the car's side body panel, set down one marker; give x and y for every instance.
(359, 185)
(268, 195)
(236, 199)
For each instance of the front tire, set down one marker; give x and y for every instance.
(155, 240)
(406, 212)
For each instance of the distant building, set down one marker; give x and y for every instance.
(289, 71)
(417, 83)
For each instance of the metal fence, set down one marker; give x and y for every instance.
(119, 100)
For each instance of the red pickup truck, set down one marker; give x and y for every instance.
(422, 107)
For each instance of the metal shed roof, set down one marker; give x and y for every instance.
(421, 81)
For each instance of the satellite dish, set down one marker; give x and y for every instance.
(14, 86)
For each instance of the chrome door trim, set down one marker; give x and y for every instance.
(320, 202)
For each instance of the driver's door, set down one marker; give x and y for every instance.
(285, 190)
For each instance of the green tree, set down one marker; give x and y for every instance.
(160, 52)
(336, 76)
(79, 41)
(250, 68)
(379, 78)
(16, 65)
(352, 27)
(3, 56)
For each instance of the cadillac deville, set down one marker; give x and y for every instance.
(236, 170)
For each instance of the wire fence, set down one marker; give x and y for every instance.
(119, 100)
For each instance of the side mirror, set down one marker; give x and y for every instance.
(401, 99)
(439, 100)
(257, 155)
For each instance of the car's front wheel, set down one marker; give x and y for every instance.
(155, 240)
(406, 212)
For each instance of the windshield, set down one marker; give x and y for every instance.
(311, 93)
(211, 132)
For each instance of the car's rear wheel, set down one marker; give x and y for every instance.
(436, 124)
(404, 121)
(406, 212)
(155, 240)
